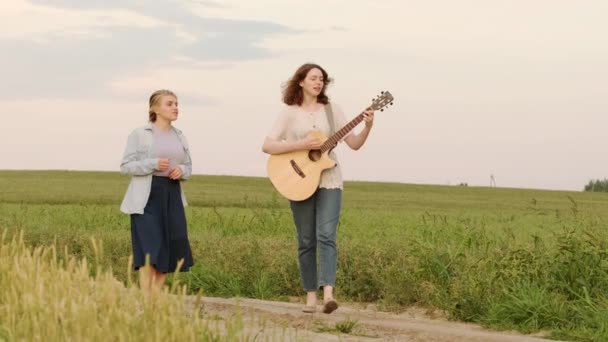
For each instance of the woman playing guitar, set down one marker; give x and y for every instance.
(316, 217)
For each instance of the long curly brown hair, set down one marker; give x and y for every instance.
(292, 92)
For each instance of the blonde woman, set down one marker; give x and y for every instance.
(158, 159)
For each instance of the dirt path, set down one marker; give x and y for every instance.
(279, 321)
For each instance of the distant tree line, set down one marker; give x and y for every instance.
(597, 185)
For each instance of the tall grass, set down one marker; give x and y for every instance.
(49, 295)
(510, 259)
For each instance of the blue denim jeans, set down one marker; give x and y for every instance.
(316, 220)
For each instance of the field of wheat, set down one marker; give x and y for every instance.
(519, 259)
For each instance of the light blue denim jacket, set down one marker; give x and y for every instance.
(137, 161)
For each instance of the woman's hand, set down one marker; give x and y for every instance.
(176, 173)
(163, 164)
(368, 117)
(311, 143)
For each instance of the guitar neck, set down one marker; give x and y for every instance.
(377, 104)
(333, 140)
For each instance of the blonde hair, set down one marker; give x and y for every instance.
(154, 99)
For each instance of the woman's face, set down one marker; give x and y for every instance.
(167, 108)
(313, 83)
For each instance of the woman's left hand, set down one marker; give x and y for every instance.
(368, 117)
(176, 173)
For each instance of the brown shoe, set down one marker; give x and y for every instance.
(330, 306)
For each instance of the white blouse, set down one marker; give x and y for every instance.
(294, 123)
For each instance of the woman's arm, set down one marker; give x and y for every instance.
(186, 167)
(356, 141)
(275, 143)
(272, 146)
(131, 165)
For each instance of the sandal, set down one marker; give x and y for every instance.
(309, 309)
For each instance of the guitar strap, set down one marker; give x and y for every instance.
(330, 118)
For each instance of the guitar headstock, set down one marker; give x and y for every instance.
(381, 101)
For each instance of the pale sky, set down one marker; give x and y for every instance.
(513, 88)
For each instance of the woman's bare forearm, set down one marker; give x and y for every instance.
(272, 146)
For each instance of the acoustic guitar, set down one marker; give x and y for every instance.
(296, 175)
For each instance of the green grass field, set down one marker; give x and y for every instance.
(507, 258)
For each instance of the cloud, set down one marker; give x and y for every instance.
(24, 21)
(339, 28)
(78, 67)
(77, 48)
(209, 4)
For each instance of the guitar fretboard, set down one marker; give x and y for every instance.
(333, 140)
(377, 104)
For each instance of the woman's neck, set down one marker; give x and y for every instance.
(163, 125)
(309, 100)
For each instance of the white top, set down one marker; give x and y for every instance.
(137, 161)
(294, 123)
(167, 145)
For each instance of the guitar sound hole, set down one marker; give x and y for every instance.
(314, 155)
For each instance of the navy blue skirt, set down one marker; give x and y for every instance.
(161, 232)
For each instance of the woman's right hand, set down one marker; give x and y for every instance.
(163, 164)
(311, 143)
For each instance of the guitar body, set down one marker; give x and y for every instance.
(296, 175)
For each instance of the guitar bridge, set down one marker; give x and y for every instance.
(297, 169)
